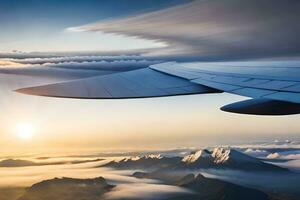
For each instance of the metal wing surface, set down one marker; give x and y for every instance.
(274, 87)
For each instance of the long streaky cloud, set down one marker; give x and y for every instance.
(76, 67)
(215, 29)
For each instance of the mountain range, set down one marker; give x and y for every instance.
(67, 189)
(200, 187)
(205, 188)
(217, 158)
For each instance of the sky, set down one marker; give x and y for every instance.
(63, 40)
(155, 123)
(40, 25)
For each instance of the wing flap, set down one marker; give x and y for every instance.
(252, 92)
(250, 83)
(285, 96)
(219, 86)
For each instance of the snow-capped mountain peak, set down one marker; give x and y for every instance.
(220, 155)
(154, 156)
(136, 158)
(193, 157)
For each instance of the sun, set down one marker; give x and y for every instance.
(25, 131)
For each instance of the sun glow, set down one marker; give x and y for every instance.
(25, 131)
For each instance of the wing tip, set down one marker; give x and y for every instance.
(27, 91)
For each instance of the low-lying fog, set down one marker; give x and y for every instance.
(89, 166)
(127, 186)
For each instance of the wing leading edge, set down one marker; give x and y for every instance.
(140, 83)
(278, 94)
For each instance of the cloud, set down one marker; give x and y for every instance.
(79, 58)
(8, 63)
(221, 29)
(273, 155)
(115, 65)
(74, 66)
(276, 144)
(292, 164)
(288, 155)
(47, 72)
(123, 54)
(292, 155)
(26, 176)
(284, 153)
(145, 191)
(256, 152)
(284, 183)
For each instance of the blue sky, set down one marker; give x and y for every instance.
(205, 30)
(34, 25)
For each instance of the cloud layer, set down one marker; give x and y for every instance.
(74, 66)
(145, 191)
(221, 29)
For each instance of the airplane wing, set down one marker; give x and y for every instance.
(274, 87)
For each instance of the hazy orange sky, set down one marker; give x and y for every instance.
(169, 122)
